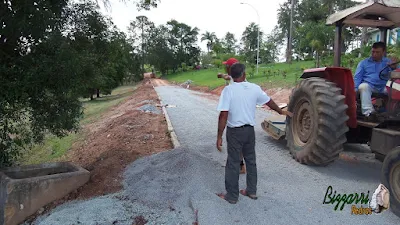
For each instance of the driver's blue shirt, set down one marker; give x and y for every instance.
(368, 72)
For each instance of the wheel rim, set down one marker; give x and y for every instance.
(302, 123)
(395, 181)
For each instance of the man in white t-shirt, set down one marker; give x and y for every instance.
(228, 80)
(237, 106)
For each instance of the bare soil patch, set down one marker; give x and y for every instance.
(198, 88)
(218, 90)
(122, 135)
(279, 95)
(160, 82)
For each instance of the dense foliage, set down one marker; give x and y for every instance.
(51, 54)
(311, 37)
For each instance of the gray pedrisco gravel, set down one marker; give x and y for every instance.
(167, 188)
(289, 193)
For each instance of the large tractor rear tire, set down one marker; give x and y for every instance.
(317, 131)
(390, 177)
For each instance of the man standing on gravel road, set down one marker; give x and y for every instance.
(237, 106)
(228, 80)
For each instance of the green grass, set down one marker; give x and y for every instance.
(93, 109)
(270, 75)
(53, 148)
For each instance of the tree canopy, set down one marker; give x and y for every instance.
(310, 34)
(52, 53)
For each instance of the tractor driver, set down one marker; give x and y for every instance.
(228, 64)
(366, 79)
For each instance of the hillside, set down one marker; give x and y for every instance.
(270, 75)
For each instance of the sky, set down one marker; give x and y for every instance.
(219, 16)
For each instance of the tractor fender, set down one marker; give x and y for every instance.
(343, 78)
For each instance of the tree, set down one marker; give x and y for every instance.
(206, 59)
(47, 63)
(249, 42)
(159, 53)
(229, 43)
(97, 39)
(19, 82)
(140, 36)
(310, 32)
(270, 48)
(314, 12)
(318, 48)
(182, 41)
(218, 47)
(210, 38)
(147, 4)
(284, 21)
(140, 4)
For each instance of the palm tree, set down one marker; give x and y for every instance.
(210, 38)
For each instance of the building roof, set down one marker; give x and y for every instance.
(373, 13)
(375, 30)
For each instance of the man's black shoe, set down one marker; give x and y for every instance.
(372, 117)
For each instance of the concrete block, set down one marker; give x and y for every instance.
(26, 189)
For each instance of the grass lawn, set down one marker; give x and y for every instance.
(270, 75)
(53, 147)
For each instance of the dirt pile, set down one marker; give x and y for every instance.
(279, 95)
(120, 137)
(218, 90)
(159, 82)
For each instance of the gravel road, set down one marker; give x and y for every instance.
(170, 187)
(289, 193)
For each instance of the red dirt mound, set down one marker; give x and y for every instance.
(279, 95)
(218, 90)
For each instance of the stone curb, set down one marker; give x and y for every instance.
(172, 133)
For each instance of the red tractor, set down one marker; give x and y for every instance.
(326, 106)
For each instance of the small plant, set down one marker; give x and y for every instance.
(268, 74)
(253, 68)
(184, 67)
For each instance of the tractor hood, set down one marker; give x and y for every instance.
(374, 13)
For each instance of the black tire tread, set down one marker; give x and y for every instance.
(331, 122)
(391, 159)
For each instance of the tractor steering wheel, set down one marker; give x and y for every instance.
(380, 73)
